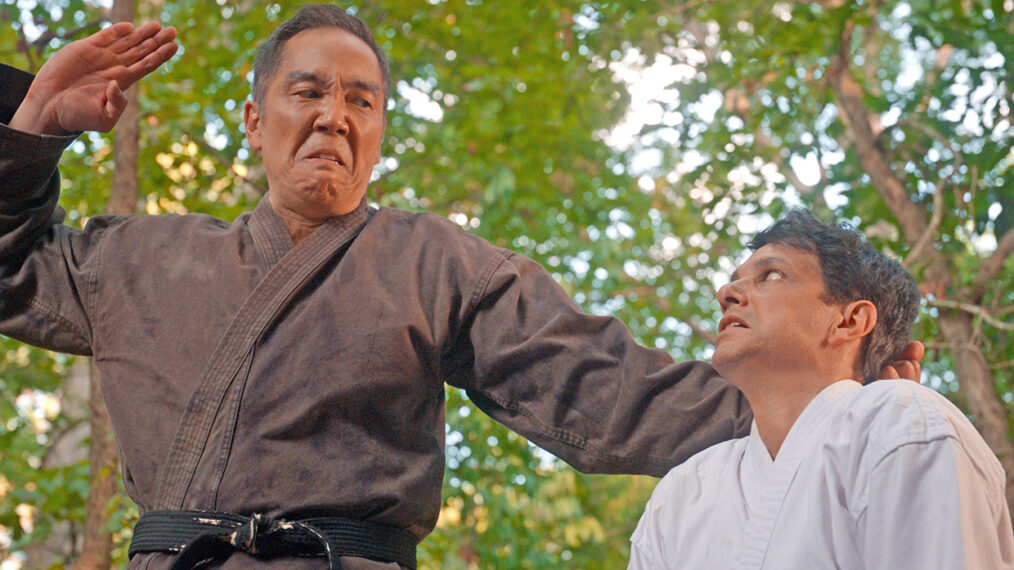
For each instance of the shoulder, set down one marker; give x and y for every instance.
(890, 414)
(135, 226)
(701, 471)
(427, 236)
(906, 411)
(689, 499)
(396, 217)
(137, 238)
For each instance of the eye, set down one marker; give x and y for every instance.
(308, 94)
(362, 102)
(772, 274)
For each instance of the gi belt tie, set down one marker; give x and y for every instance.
(202, 538)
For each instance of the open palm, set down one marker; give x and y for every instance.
(81, 86)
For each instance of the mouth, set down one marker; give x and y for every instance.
(731, 321)
(326, 156)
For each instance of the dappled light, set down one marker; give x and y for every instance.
(632, 148)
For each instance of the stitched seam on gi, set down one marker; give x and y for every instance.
(49, 313)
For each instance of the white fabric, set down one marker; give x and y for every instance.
(889, 476)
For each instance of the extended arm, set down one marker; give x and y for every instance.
(581, 387)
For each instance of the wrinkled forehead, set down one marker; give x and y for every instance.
(330, 49)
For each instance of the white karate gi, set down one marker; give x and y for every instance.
(889, 476)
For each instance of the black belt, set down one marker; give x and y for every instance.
(202, 537)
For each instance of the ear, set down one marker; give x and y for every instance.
(252, 122)
(857, 320)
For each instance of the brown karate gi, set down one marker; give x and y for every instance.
(338, 407)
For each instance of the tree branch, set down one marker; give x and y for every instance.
(976, 310)
(705, 334)
(994, 263)
(49, 35)
(853, 113)
(927, 236)
(948, 346)
(1004, 364)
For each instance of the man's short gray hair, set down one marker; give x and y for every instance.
(309, 17)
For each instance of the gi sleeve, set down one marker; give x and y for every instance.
(579, 386)
(938, 504)
(42, 281)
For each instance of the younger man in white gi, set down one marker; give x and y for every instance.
(833, 474)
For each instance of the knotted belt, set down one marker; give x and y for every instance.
(202, 537)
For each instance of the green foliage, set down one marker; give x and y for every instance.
(502, 119)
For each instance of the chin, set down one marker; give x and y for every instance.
(727, 365)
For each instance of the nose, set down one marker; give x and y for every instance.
(730, 294)
(331, 117)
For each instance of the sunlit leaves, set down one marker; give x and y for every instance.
(503, 119)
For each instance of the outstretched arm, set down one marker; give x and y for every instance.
(81, 87)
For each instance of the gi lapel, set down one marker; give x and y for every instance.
(798, 445)
(272, 294)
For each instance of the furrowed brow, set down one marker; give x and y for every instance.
(307, 76)
(362, 85)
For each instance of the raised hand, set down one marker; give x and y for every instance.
(81, 87)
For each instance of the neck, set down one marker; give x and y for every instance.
(778, 402)
(299, 229)
(775, 415)
(299, 226)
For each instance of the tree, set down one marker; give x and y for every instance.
(505, 120)
(902, 110)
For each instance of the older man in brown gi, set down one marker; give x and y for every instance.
(276, 383)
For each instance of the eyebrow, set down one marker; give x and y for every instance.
(308, 76)
(761, 264)
(311, 77)
(364, 85)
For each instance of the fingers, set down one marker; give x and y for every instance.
(106, 36)
(149, 63)
(149, 45)
(908, 369)
(907, 366)
(125, 42)
(889, 373)
(914, 351)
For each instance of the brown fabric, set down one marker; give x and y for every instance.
(342, 408)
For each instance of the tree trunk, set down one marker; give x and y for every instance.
(96, 546)
(976, 382)
(978, 386)
(96, 549)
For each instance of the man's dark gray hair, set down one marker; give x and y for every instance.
(309, 17)
(852, 270)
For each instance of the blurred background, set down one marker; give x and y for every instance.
(631, 147)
